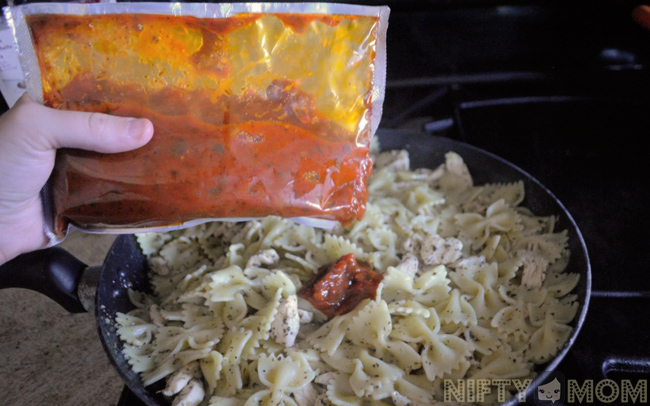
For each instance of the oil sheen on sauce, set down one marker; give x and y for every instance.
(339, 287)
(236, 134)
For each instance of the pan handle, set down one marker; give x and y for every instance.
(53, 272)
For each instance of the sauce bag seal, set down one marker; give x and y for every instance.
(258, 109)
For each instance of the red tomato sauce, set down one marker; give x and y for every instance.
(265, 151)
(193, 169)
(338, 288)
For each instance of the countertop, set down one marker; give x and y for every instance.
(49, 356)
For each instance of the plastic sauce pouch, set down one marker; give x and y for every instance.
(258, 109)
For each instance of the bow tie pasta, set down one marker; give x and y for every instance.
(456, 297)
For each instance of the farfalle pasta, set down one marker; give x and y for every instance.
(452, 301)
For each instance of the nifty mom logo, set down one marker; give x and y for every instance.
(555, 390)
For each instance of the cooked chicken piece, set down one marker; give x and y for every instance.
(179, 379)
(265, 257)
(437, 250)
(286, 322)
(409, 265)
(191, 395)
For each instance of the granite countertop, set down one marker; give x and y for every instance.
(49, 356)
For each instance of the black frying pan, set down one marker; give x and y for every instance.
(56, 273)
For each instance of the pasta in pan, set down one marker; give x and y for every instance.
(472, 286)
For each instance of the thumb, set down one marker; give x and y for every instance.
(91, 131)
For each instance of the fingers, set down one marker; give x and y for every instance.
(52, 129)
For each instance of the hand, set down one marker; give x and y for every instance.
(29, 136)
